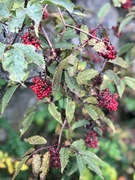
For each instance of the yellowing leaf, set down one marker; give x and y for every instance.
(45, 166)
(36, 164)
(10, 165)
(36, 140)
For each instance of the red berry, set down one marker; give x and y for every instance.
(107, 100)
(127, 5)
(91, 139)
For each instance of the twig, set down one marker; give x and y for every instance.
(60, 135)
(63, 20)
(25, 3)
(49, 42)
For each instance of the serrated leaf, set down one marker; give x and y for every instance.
(22, 162)
(72, 169)
(90, 100)
(109, 123)
(125, 48)
(14, 63)
(35, 140)
(64, 45)
(28, 118)
(92, 112)
(64, 157)
(70, 110)
(92, 166)
(121, 88)
(36, 164)
(16, 22)
(80, 163)
(79, 145)
(84, 37)
(2, 48)
(80, 123)
(31, 55)
(72, 84)
(91, 156)
(113, 76)
(4, 12)
(58, 75)
(130, 82)
(86, 75)
(104, 10)
(7, 96)
(53, 111)
(120, 62)
(35, 13)
(99, 47)
(124, 22)
(45, 166)
(66, 4)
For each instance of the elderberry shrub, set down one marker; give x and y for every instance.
(41, 87)
(107, 100)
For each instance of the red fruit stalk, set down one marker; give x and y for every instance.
(42, 88)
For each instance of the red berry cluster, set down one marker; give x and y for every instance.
(110, 53)
(97, 80)
(107, 100)
(54, 158)
(115, 31)
(127, 5)
(28, 38)
(91, 139)
(42, 88)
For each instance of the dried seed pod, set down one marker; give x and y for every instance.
(45, 166)
(36, 164)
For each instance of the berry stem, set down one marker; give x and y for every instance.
(60, 135)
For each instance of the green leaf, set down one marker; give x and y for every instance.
(64, 157)
(35, 13)
(91, 156)
(109, 123)
(58, 75)
(130, 82)
(7, 96)
(86, 75)
(70, 110)
(28, 152)
(99, 47)
(125, 48)
(113, 76)
(79, 145)
(69, 34)
(121, 87)
(116, 3)
(80, 163)
(15, 64)
(120, 62)
(2, 49)
(91, 112)
(92, 166)
(80, 123)
(64, 45)
(72, 169)
(28, 118)
(8, 3)
(36, 140)
(16, 22)
(90, 100)
(4, 12)
(53, 111)
(66, 4)
(124, 22)
(104, 10)
(84, 37)
(22, 162)
(72, 84)
(86, 175)
(31, 55)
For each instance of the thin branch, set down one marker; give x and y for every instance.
(78, 29)
(49, 42)
(60, 135)
(63, 20)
